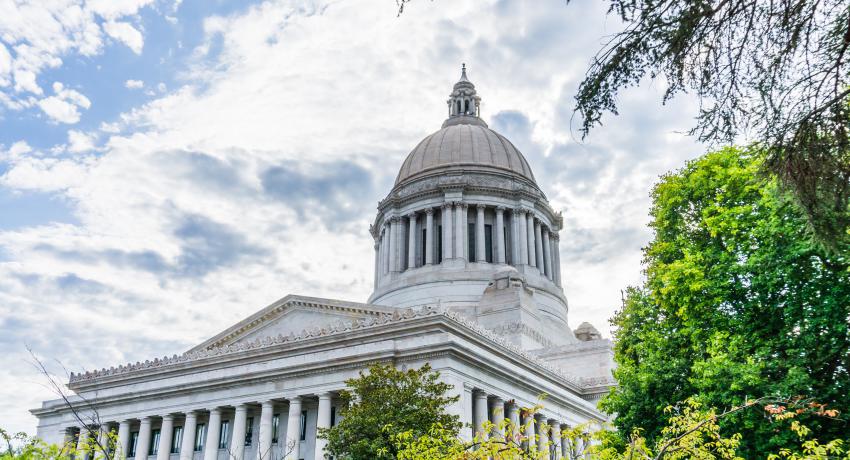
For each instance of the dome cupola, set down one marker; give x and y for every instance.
(464, 104)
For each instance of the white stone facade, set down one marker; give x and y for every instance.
(467, 278)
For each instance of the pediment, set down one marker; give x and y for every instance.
(291, 315)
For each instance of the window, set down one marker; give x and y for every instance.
(134, 442)
(200, 437)
(470, 242)
(177, 439)
(224, 434)
(154, 448)
(508, 247)
(275, 427)
(303, 425)
(488, 243)
(439, 238)
(249, 431)
(422, 247)
(333, 416)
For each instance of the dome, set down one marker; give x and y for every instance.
(463, 147)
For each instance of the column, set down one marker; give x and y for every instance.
(557, 262)
(323, 421)
(83, 448)
(528, 421)
(480, 411)
(395, 245)
(523, 237)
(497, 415)
(516, 252)
(187, 448)
(538, 245)
(165, 433)
(500, 235)
(143, 443)
(429, 236)
(565, 443)
(102, 441)
(480, 255)
(460, 229)
(529, 226)
(556, 437)
(264, 447)
(213, 433)
(377, 262)
(446, 219)
(411, 244)
(292, 449)
(547, 253)
(513, 416)
(542, 434)
(237, 443)
(123, 439)
(385, 251)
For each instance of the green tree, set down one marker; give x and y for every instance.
(383, 402)
(738, 302)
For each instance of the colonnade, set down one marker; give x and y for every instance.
(541, 435)
(201, 434)
(518, 237)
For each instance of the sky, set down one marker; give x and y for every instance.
(168, 168)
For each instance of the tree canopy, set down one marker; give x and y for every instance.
(737, 303)
(383, 402)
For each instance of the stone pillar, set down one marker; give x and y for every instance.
(447, 222)
(213, 434)
(460, 229)
(529, 226)
(377, 262)
(513, 416)
(557, 262)
(385, 249)
(323, 421)
(497, 415)
(556, 437)
(542, 434)
(187, 449)
(500, 235)
(264, 446)
(123, 439)
(547, 253)
(83, 447)
(538, 245)
(480, 411)
(143, 442)
(293, 430)
(237, 443)
(515, 237)
(480, 254)
(528, 421)
(565, 443)
(411, 244)
(166, 431)
(429, 236)
(523, 237)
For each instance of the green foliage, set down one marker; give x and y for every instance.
(21, 446)
(737, 302)
(383, 402)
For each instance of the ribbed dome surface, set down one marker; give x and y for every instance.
(463, 147)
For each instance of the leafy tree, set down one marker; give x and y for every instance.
(737, 302)
(383, 402)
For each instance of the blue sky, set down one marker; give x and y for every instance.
(167, 167)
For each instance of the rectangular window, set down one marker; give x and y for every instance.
(488, 243)
(224, 434)
(422, 245)
(509, 258)
(303, 425)
(177, 439)
(249, 431)
(439, 238)
(275, 427)
(134, 443)
(200, 436)
(470, 245)
(333, 416)
(154, 443)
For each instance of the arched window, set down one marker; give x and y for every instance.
(458, 107)
(466, 106)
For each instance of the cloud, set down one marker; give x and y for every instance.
(79, 141)
(63, 107)
(125, 33)
(134, 84)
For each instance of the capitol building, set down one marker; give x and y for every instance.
(467, 277)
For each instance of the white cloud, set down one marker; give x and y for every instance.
(134, 84)
(63, 107)
(125, 33)
(79, 141)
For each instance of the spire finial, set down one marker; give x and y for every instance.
(463, 70)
